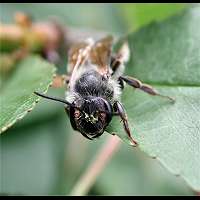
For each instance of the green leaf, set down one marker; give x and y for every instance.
(17, 98)
(137, 15)
(141, 176)
(167, 56)
(33, 157)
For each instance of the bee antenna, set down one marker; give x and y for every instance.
(53, 98)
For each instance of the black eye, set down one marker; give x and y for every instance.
(102, 116)
(77, 113)
(108, 111)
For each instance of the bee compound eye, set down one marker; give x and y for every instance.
(77, 113)
(102, 115)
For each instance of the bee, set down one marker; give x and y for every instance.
(95, 84)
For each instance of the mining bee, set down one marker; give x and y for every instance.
(95, 84)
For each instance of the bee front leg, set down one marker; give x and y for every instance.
(144, 87)
(117, 106)
(117, 66)
(60, 81)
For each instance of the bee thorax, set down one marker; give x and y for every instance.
(91, 83)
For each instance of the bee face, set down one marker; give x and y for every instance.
(91, 116)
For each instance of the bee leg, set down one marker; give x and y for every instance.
(121, 83)
(60, 81)
(117, 106)
(65, 79)
(117, 66)
(118, 61)
(144, 87)
(115, 63)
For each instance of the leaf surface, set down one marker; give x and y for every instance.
(17, 97)
(167, 56)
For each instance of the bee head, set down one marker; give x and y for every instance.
(90, 116)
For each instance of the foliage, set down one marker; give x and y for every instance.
(42, 155)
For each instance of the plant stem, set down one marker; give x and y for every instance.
(103, 156)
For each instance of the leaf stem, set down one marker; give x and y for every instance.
(103, 156)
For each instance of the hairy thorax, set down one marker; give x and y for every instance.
(91, 83)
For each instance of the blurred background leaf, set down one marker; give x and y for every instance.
(137, 15)
(43, 155)
(119, 18)
(32, 158)
(102, 16)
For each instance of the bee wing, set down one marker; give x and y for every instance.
(100, 54)
(77, 56)
(78, 53)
